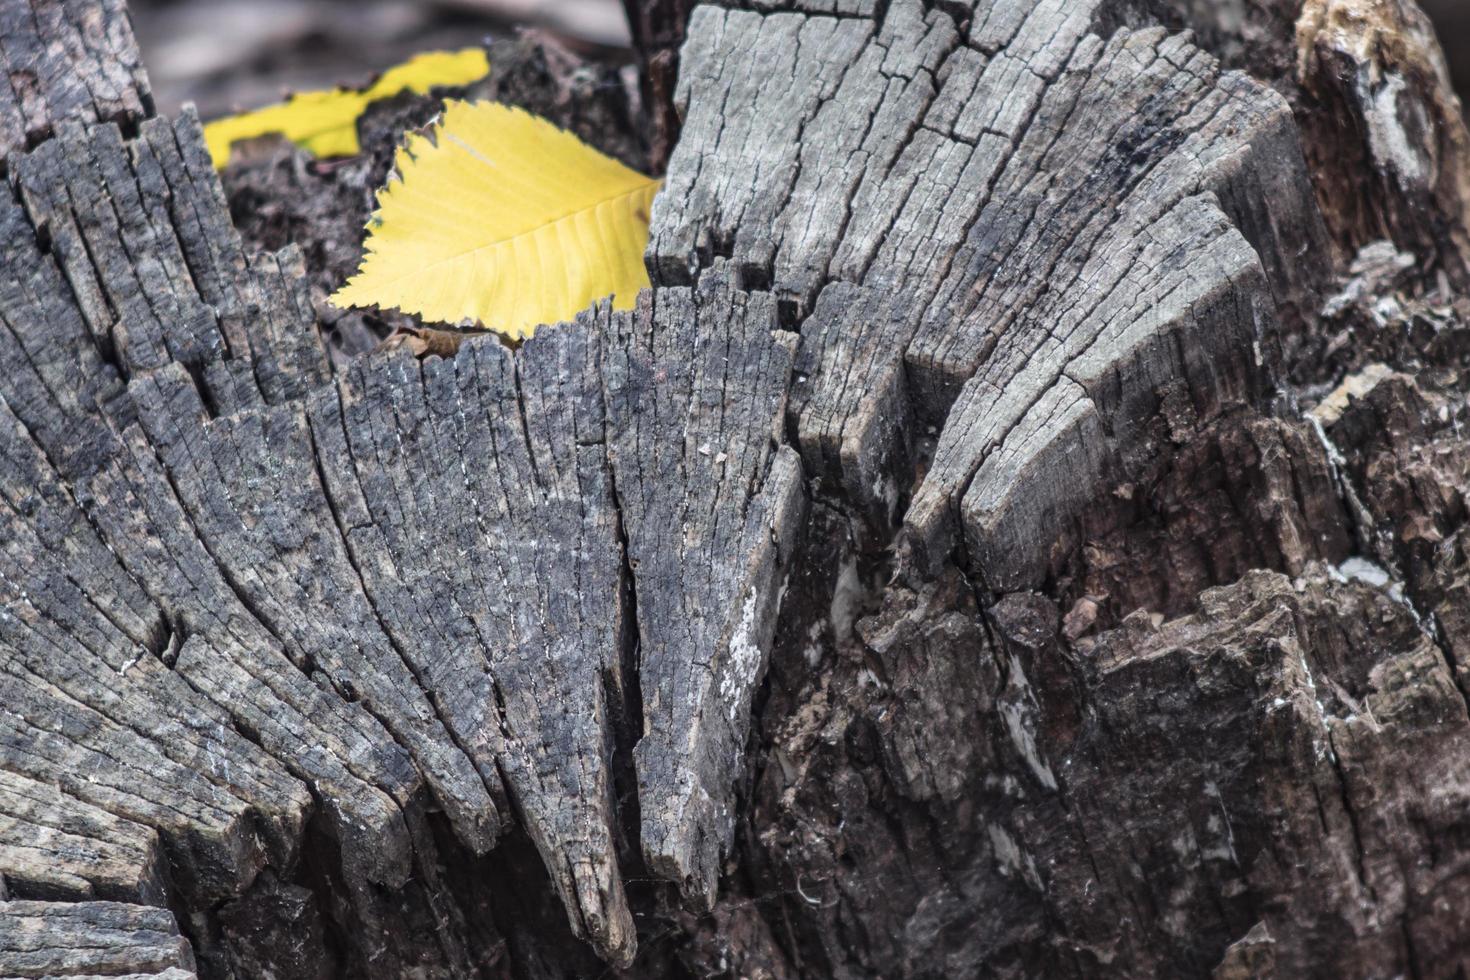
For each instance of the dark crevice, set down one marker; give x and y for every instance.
(880, 10)
(1411, 955)
(626, 696)
(390, 635)
(1345, 795)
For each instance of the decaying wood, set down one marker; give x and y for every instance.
(1381, 64)
(1385, 137)
(1009, 537)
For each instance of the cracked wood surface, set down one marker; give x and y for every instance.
(1016, 233)
(399, 591)
(296, 651)
(711, 502)
(91, 939)
(67, 60)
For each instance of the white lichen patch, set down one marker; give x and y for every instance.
(1358, 569)
(744, 662)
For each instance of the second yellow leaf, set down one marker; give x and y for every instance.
(325, 123)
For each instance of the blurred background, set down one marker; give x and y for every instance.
(226, 55)
(1452, 20)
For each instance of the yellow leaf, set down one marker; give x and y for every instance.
(325, 123)
(501, 218)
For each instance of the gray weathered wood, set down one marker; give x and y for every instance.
(71, 60)
(711, 502)
(90, 939)
(55, 846)
(232, 488)
(474, 500)
(1018, 232)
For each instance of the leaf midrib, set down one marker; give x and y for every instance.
(572, 213)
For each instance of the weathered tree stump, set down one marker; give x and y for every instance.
(1023, 530)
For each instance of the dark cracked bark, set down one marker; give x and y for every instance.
(1023, 530)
